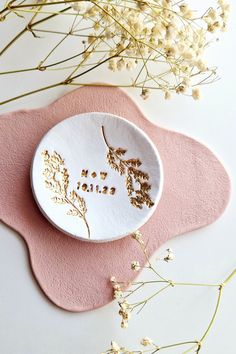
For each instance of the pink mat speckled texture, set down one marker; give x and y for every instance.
(75, 274)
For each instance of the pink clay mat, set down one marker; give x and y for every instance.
(75, 274)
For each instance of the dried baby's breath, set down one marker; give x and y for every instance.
(127, 290)
(135, 265)
(146, 341)
(159, 44)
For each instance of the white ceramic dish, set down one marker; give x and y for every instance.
(97, 177)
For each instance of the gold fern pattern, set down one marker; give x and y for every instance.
(134, 177)
(57, 180)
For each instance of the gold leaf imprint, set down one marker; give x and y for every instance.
(57, 180)
(133, 176)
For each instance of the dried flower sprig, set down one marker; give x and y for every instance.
(57, 180)
(126, 307)
(135, 179)
(150, 347)
(162, 42)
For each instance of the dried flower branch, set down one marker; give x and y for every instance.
(57, 180)
(136, 180)
(162, 42)
(126, 307)
(152, 347)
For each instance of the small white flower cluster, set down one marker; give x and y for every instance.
(169, 256)
(217, 20)
(117, 349)
(135, 265)
(162, 41)
(125, 308)
(146, 341)
(125, 313)
(118, 293)
(137, 235)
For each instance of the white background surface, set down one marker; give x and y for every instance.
(30, 324)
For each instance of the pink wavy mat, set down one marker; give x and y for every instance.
(74, 274)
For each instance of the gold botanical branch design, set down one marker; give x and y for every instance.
(57, 180)
(133, 175)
